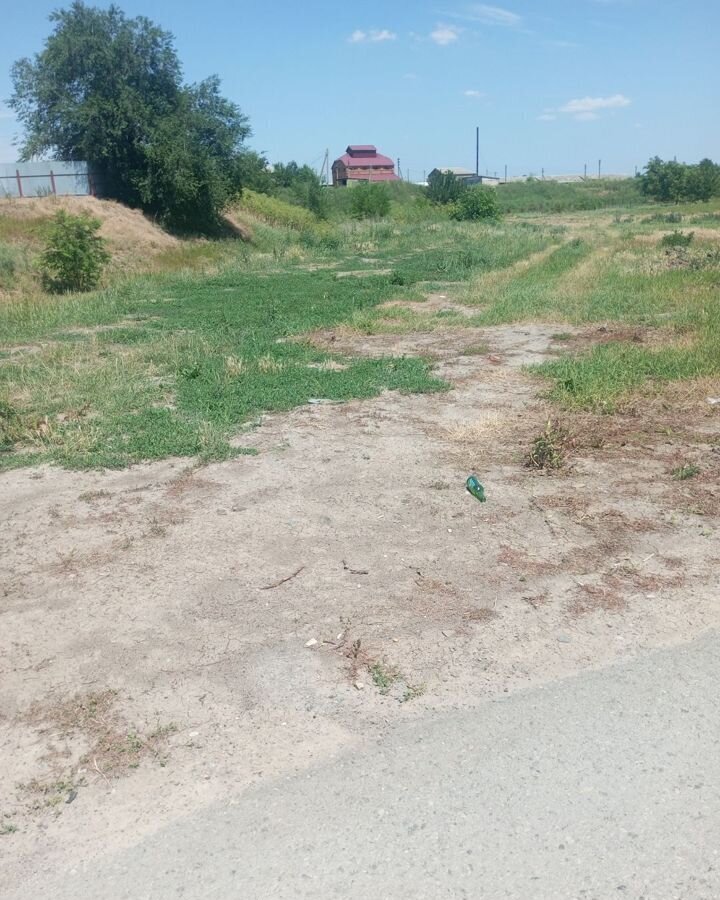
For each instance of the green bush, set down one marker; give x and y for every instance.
(444, 187)
(74, 255)
(677, 239)
(369, 201)
(477, 203)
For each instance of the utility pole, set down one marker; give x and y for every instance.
(325, 170)
(505, 173)
(399, 171)
(542, 174)
(585, 172)
(477, 150)
(599, 167)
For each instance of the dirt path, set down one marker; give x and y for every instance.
(171, 635)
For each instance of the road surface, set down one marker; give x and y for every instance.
(605, 785)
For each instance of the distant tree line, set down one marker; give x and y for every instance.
(108, 89)
(672, 182)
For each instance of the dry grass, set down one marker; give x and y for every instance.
(128, 231)
(522, 562)
(472, 435)
(594, 598)
(110, 746)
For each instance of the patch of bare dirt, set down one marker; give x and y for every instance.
(243, 603)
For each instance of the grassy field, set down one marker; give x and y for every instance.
(180, 362)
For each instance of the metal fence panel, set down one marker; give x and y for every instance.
(40, 179)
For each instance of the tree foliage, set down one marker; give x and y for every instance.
(671, 182)
(300, 185)
(108, 89)
(444, 187)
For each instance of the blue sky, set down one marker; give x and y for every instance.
(552, 84)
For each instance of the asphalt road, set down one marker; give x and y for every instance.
(606, 785)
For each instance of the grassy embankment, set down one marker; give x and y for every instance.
(178, 363)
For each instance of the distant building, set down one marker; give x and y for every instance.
(467, 176)
(362, 162)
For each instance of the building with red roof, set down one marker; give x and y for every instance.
(362, 162)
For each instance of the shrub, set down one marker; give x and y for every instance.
(477, 203)
(369, 201)
(677, 239)
(444, 187)
(75, 254)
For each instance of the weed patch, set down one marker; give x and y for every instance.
(550, 448)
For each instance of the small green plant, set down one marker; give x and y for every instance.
(475, 204)
(8, 828)
(75, 254)
(550, 447)
(369, 201)
(677, 239)
(383, 677)
(682, 473)
(412, 692)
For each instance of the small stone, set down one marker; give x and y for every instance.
(447, 633)
(563, 638)
(359, 685)
(311, 643)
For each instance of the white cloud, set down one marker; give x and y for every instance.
(591, 104)
(445, 34)
(547, 117)
(374, 36)
(586, 116)
(472, 93)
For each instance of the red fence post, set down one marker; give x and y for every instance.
(19, 181)
(52, 181)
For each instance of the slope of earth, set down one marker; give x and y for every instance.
(130, 234)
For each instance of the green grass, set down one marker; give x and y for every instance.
(187, 362)
(550, 197)
(160, 366)
(534, 291)
(177, 365)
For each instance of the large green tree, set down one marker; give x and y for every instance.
(671, 181)
(108, 89)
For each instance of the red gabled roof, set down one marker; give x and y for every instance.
(377, 159)
(362, 149)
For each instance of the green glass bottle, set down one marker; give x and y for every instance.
(475, 488)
